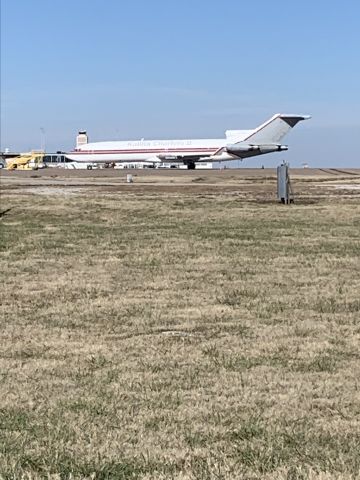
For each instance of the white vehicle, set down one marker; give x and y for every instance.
(237, 144)
(56, 160)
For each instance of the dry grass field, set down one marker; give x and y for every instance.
(183, 327)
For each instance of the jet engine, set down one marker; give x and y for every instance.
(239, 149)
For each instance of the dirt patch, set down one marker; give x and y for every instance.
(61, 191)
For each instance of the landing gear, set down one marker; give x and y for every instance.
(190, 165)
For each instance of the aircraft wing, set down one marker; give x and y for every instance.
(186, 158)
(190, 158)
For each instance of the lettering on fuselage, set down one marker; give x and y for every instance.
(160, 144)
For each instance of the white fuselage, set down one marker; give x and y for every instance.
(237, 144)
(152, 150)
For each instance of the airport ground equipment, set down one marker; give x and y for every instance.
(284, 189)
(27, 161)
(56, 160)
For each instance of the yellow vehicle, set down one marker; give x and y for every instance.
(27, 161)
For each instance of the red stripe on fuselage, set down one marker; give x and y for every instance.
(155, 150)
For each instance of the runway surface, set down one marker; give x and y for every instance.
(259, 184)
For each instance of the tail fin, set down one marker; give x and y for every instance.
(275, 129)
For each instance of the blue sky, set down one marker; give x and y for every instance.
(126, 69)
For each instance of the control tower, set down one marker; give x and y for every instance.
(82, 138)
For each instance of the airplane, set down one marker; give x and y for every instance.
(237, 145)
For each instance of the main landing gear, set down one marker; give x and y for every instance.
(190, 165)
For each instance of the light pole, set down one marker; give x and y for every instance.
(43, 144)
